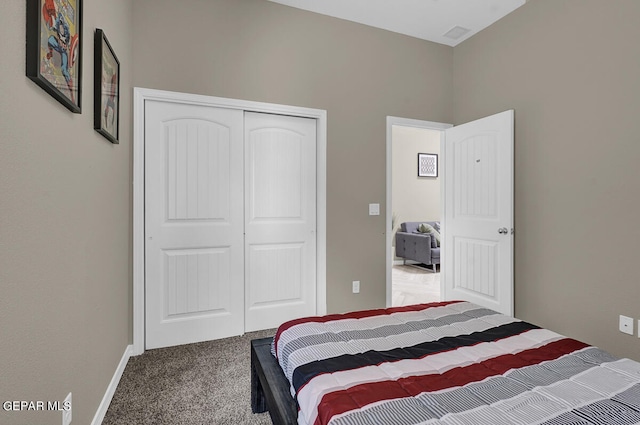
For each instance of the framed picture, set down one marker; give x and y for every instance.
(54, 49)
(106, 96)
(427, 165)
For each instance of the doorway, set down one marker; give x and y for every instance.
(411, 198)
(477, 193)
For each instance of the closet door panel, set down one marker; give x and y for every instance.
(280, 219)
(194, 247)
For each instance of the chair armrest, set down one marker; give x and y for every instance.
(414, 246)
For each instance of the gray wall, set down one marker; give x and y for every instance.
(570, 69)
(262, 51)
(65, 208)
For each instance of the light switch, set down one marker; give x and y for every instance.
(374, 209)
(355, 286)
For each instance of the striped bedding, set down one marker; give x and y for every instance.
(450, 363)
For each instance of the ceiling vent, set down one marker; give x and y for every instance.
(456, 32)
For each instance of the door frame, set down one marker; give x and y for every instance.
(140, 96)
(407, 122)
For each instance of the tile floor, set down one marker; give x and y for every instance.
(414, 285)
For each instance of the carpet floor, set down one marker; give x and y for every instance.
(194, 384)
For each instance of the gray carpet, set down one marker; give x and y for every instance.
(203, 383)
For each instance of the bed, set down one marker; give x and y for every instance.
(439, 363)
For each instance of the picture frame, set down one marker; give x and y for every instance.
(54, 49)
(106, 95)
(427, 165)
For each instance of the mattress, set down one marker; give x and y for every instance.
(449, 363)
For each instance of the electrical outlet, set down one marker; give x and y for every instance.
(626, 325)
(66, 412)
(356, 286)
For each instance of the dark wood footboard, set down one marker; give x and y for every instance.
(269, 387)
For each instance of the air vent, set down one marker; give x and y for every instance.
(456, 32)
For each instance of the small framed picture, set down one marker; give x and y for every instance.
(106, 96)
(427, 165)
(54, 49)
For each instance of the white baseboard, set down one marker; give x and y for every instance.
(111, 389)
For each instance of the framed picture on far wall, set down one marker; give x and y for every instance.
(106, 108)
(427, 165)
(54, 49)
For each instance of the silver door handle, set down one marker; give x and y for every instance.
(503, 231)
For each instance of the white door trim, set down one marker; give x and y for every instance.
(406, 122)
(140, 95)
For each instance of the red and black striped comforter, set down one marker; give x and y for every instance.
(450, 363)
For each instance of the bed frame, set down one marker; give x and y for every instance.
(269, 387)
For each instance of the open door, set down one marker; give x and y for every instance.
(478, 213)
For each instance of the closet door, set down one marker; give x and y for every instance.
(194, 244)
(280, 219)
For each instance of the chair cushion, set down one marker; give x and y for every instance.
(427, 228)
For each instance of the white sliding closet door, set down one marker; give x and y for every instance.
(194, 248)
(230, 221)
(280, 219)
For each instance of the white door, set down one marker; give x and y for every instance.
(280, 219)
(478, 232)
(193, 223)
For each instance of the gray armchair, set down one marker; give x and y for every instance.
(416, 246)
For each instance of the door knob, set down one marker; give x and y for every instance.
(503, 231)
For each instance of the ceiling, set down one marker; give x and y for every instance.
(442, 21)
